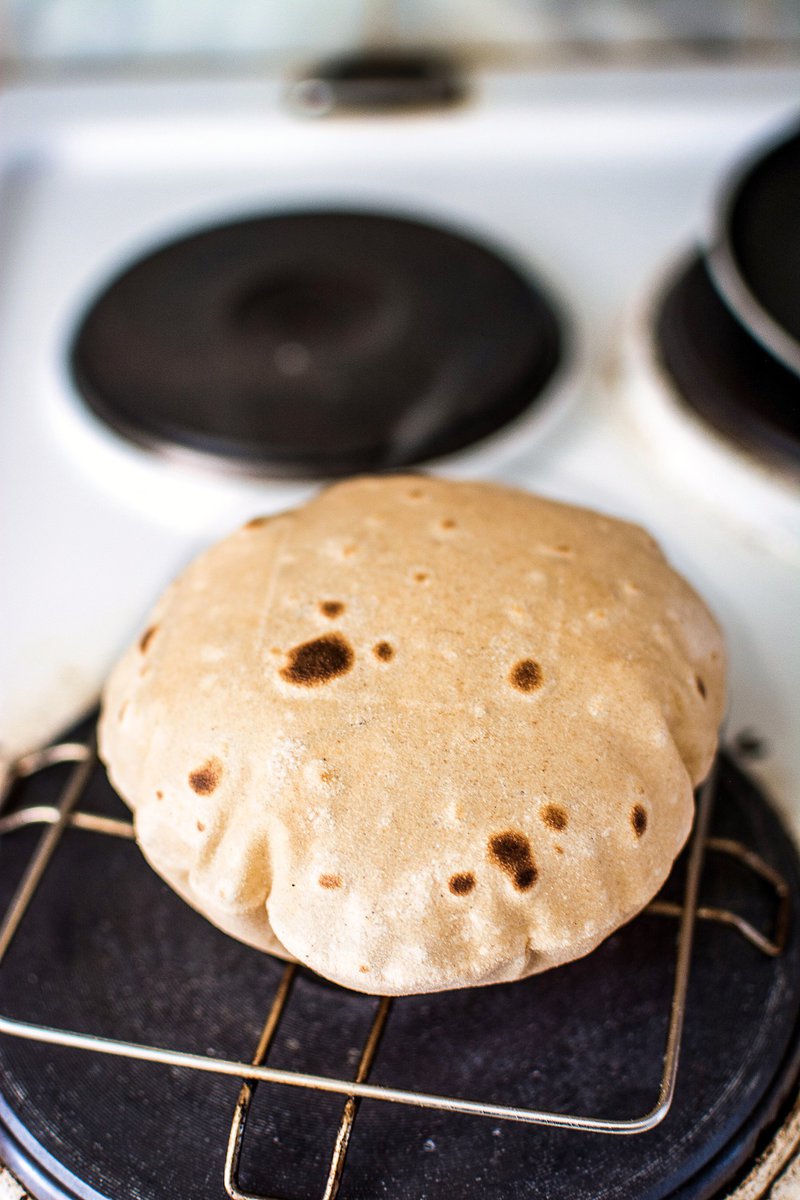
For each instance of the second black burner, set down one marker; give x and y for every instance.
(316, 343)
(723, 374)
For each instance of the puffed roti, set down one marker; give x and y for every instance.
(419, 734)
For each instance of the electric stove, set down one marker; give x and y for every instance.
(487, 290)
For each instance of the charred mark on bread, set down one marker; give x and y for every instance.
(204, 780)
(318, 661)
(526, 675)
(511, 852)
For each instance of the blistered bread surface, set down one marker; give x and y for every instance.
(419, 734)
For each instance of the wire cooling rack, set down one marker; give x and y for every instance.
(65, 813)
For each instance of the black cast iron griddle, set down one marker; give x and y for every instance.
(316, 344)
(106, 947)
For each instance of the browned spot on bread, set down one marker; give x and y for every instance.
(330, 881)
(554, 817)
(331, 608)
(201, 827)
(701, 687)
(420, 576)
(638, 819)
(318, 661)
(205, 779)
(147, 637)
(511, 851)
(384, 651)
(256, 522)
(159, 795)
(559, 849)
(414, 493)
(563, 550)
(526, 675)
(448, 523)
(349, 550)
(363, 969)
(328, 775)
(462, 883)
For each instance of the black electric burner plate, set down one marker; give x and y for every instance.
(316, 344)
(107, 947)
(722, 373)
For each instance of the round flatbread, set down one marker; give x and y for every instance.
(419, 734)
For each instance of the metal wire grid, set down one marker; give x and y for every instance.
(57, 818)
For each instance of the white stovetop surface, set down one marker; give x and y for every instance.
(593, 179)
(596, 180)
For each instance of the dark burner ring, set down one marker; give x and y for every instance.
(316, 344)
(723, 374)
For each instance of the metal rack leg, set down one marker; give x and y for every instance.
(351, 1106)
(772, 946)
(242, 1109)
(69, 797)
